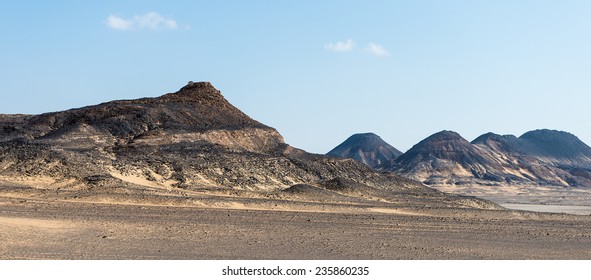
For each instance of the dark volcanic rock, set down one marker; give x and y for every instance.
(196, 107)
(557, 146)
(541, 157)
(189, 140)
(444, 157)
(366, 148)
(444, 144)
(508, 143)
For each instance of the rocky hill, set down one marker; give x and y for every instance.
(187, 143)
(540, 157)
(558, 147)
(366, 148)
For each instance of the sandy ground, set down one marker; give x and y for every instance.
(44, 229)
(570, 209)
(532, 198)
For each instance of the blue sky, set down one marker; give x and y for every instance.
(318, 71)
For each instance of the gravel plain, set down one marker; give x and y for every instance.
(33, 228)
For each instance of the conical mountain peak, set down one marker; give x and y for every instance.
(367, 148)
(444, 140)
(445, 135)
(559, 146)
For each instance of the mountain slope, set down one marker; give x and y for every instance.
(366, 148)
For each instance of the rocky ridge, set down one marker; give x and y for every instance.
(540, 157)
(185, 143)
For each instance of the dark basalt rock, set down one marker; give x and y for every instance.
(540, 157)
(190, 139)
(367, 148)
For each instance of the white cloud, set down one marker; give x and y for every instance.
(118, 23)
(341, 46)
(377, 50)
(154, 21)
(148, 21)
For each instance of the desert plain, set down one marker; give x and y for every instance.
(247, 225)
(189, 176)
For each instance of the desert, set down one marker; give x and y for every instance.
(189, 176)
(254, 228)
